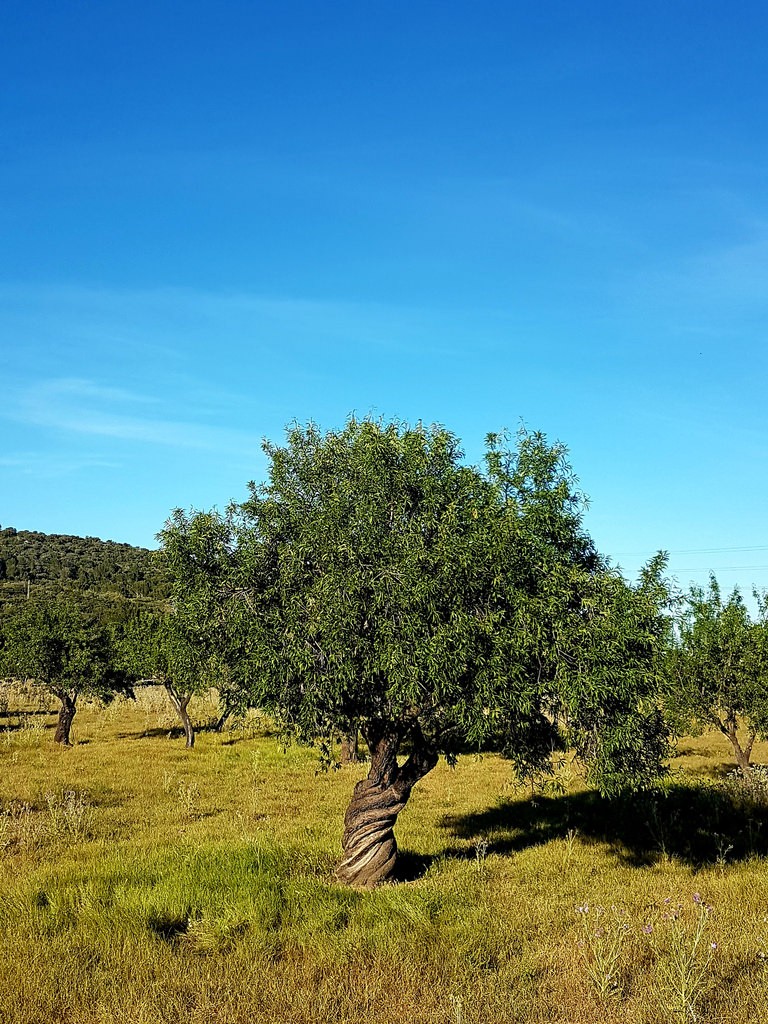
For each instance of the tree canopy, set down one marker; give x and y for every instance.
(719, 668)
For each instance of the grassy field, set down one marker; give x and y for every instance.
(142, 883)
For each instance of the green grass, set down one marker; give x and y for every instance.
(142, 883)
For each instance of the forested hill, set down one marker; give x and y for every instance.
(31, 561)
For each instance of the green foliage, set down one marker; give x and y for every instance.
(183, 645)
(609, 672)
(193, 645)
(376, 578)
(718, 672)
(160, 647)
(367, 559)
(683, 957)
(61, 648)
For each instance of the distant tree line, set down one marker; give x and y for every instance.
(32, 562)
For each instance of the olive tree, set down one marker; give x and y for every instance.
(377, 581)
(719, 669)
(64, 650)
(182, 646)
(160, 652)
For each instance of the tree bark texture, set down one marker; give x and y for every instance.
(368, 843)
(743, 754)
(66, 714)
(180, 702)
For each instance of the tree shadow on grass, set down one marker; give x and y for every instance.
(11, 721)
(695, 824)
(174, 732)
(177, 732)
(168, 926)
(411, 866)
(13, 727)
(26, 714)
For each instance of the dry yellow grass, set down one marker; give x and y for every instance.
(142, 883)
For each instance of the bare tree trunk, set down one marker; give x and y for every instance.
(180, 702)
(66, 714)
(228, 707)
(743, 754)
(349, 745)
(368, 843)
(729, 728)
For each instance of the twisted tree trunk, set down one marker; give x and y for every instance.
(368, 843)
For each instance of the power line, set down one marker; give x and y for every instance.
(725, 568)
(690, 551)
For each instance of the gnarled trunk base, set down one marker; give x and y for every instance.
(368, 843)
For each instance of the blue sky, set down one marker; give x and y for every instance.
(218, 218)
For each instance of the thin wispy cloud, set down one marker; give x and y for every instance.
(79, 406)
(163, 320)
(46, 466)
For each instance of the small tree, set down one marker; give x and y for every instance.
(65, 651)
(719, 669)
(184, 647)
(161, 650)
(377, 580)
